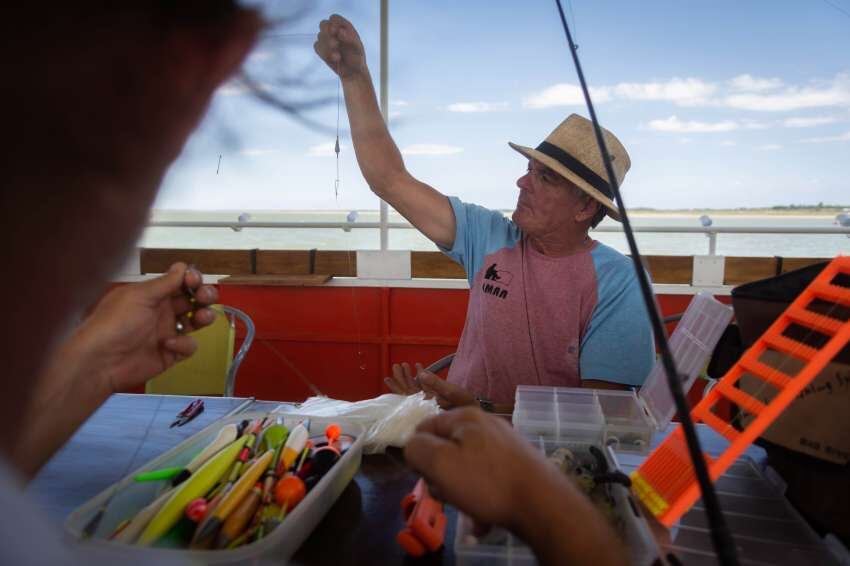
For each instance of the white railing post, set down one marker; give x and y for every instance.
(385, 110)
(712, 243)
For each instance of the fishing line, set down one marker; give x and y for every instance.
(573, 14)
(360, 363)
(336, 145)
(310, 385)
(840, 9)
(92, 525)
(724, 545)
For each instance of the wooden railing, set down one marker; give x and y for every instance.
(663, 269)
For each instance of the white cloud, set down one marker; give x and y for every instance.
(324, 149)
(399, 103)
(683, 92)
(673, 124)
(753, 125)
(478, 106)
(565, 94)
(255, 152)
(842, 137)
(749, 83)
(825, 94)
(728, 143)
(743, 92)
(769, 147)
(808, 122)
(431, 149)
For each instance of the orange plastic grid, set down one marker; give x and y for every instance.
(665, 482)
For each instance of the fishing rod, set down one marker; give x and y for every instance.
(721, 538)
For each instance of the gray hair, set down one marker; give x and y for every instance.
(600, 208)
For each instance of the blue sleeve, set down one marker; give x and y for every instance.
(479, 231)
(618, 345)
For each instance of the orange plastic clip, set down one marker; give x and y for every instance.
(426, 523)
(807, 335)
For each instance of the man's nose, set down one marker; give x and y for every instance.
(524, 182)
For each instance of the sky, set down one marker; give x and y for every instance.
(720, 104)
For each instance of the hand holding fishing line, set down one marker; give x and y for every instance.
(134, 332)
(456, 451)
(339, 45)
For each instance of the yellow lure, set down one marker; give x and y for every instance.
(196, 486)
(242, 487)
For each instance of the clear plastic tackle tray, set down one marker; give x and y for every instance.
(624, 419)
(501, 547)
(280, 544)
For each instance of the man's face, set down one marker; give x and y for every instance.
(547, 202)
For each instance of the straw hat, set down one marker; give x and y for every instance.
(572, 152)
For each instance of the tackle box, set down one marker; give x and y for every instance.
(624, 419)
(501, 547)
(128, 497)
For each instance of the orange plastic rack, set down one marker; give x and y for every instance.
(665, 482)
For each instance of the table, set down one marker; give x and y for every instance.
(129, 430)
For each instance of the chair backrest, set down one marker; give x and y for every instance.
(212, 369)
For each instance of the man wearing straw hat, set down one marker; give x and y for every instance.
(548, 305)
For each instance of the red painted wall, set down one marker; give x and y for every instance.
(343, 340)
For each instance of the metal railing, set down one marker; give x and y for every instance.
(711, 232)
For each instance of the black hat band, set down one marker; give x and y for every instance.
(576, 167)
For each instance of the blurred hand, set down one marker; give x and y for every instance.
(448, 395)
(402, 381)
(476, 462)
(339, 45)
(479, 464)
(132, 334)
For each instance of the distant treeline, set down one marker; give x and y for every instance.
(819, 207)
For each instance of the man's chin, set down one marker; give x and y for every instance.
(520, 218)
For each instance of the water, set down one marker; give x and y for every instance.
(787, 245)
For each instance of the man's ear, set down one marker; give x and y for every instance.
(588, 211)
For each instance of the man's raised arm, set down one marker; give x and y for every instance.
(339, 45)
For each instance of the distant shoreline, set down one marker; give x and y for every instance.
(638, 212)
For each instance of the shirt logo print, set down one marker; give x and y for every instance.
(497, 276)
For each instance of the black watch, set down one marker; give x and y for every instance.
(486, 406)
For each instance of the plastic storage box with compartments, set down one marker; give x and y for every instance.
(625, 419)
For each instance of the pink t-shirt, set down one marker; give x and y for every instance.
(540, 320)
